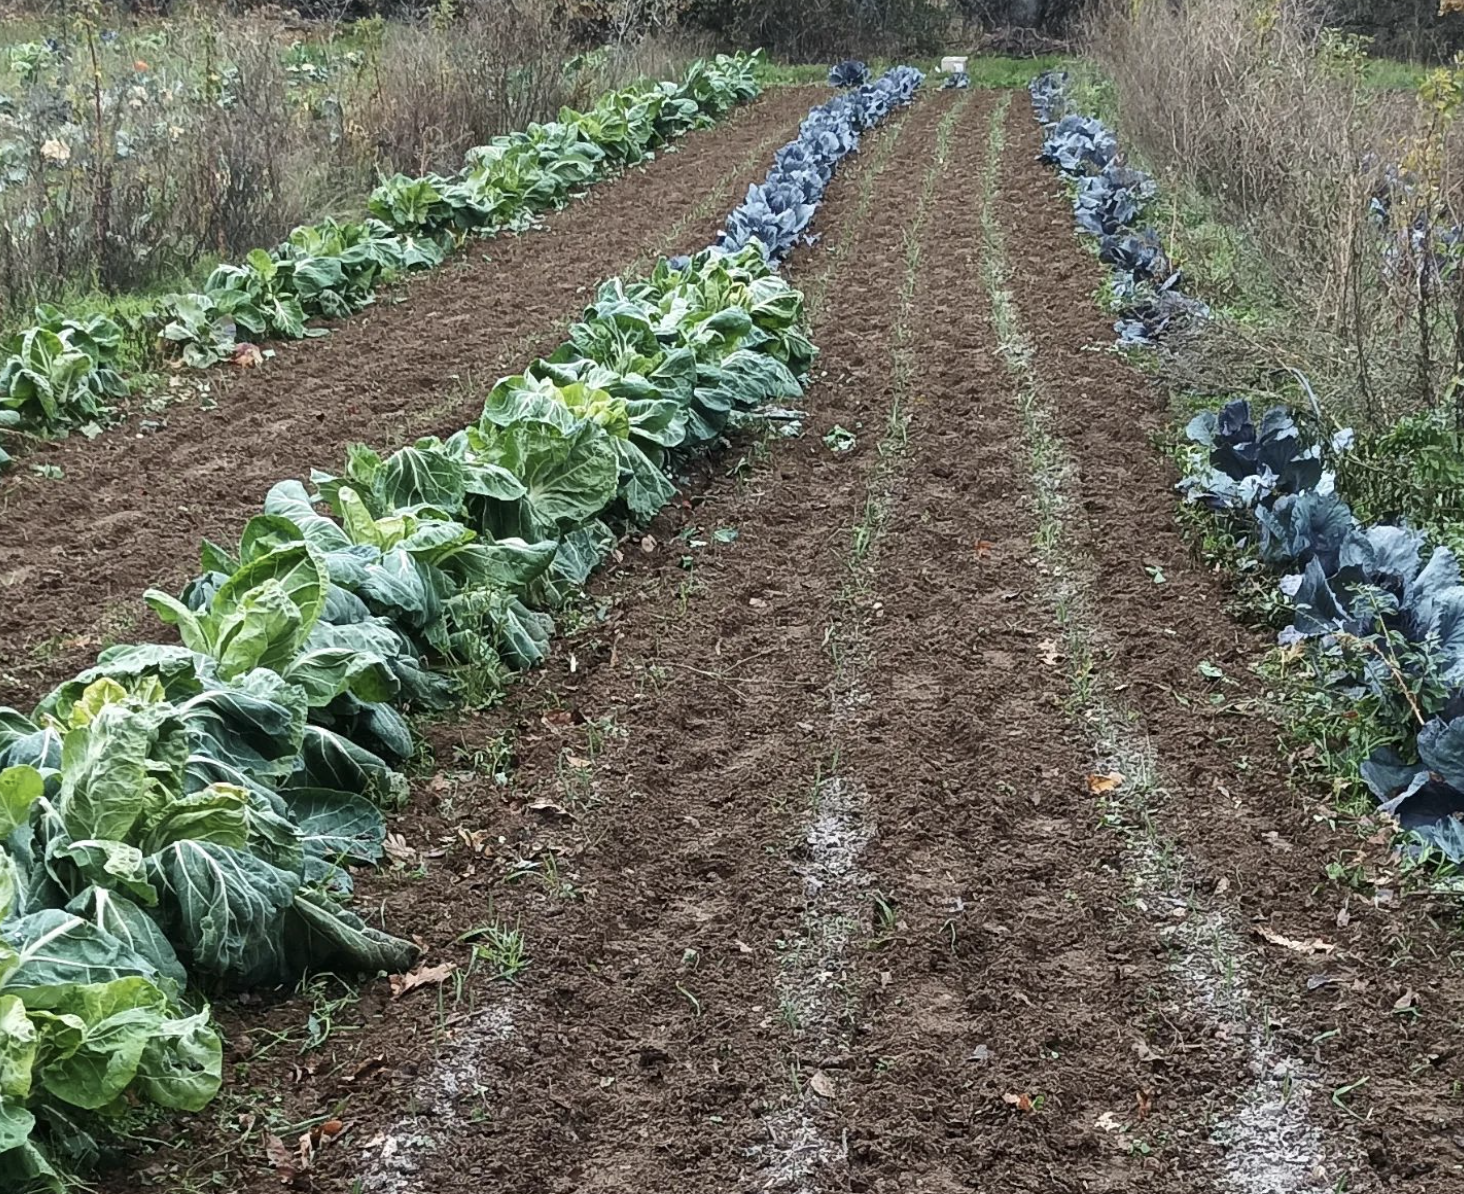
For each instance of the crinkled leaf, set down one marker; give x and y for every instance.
(122, 919)
(225, 909)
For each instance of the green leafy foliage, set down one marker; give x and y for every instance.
(505, 183)
(59, 373)
(182, 818)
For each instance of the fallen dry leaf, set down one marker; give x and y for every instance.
(1315, 946)
(246, 356)
(281, 1159)
(983, 548)
(397, 849)
(305, 1150)
(1022, 1102)
(822, 1085)
(332, 1127)
(1407, 1001)
(477, 840)
(366, 1069)
(1051, 655)
(1099, 784)
(423, 976)
(545, 805)
(648, 544)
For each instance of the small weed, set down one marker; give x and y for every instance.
(329, 997)
(886, 918)
(493, 760)
(696, 1007)
(499, 948)
(1341, 1093)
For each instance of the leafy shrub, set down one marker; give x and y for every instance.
(1109, 199)
(188, 814)
(59, 372)
(777, 210)
(1379, 604)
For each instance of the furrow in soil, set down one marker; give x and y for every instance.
(626, 817)
(133, 504)
(995, 1035)
(1301, 977)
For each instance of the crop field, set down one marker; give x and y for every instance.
(720, 645)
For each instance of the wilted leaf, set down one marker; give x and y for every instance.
(1100, 784)
(305, 1150)
(281, 1159)
(1315, 946)
(366, 1069)
(1022, 1102)
(423, 976)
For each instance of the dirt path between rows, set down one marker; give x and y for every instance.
(1361, 981)
(662, 747)
(133, 505)
(794, 870)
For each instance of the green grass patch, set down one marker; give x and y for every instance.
(1388, 74)
(991, 71)
(997, 71)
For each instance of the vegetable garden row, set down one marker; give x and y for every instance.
(62, 372)
(182, 818)
(1381, 607)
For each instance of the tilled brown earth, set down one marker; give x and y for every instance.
(1369, 987)
(1005, 1017)
(134, 503)
(785, 873)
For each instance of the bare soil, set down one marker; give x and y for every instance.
(133, 504)
(796, 826)
(1263, 843)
